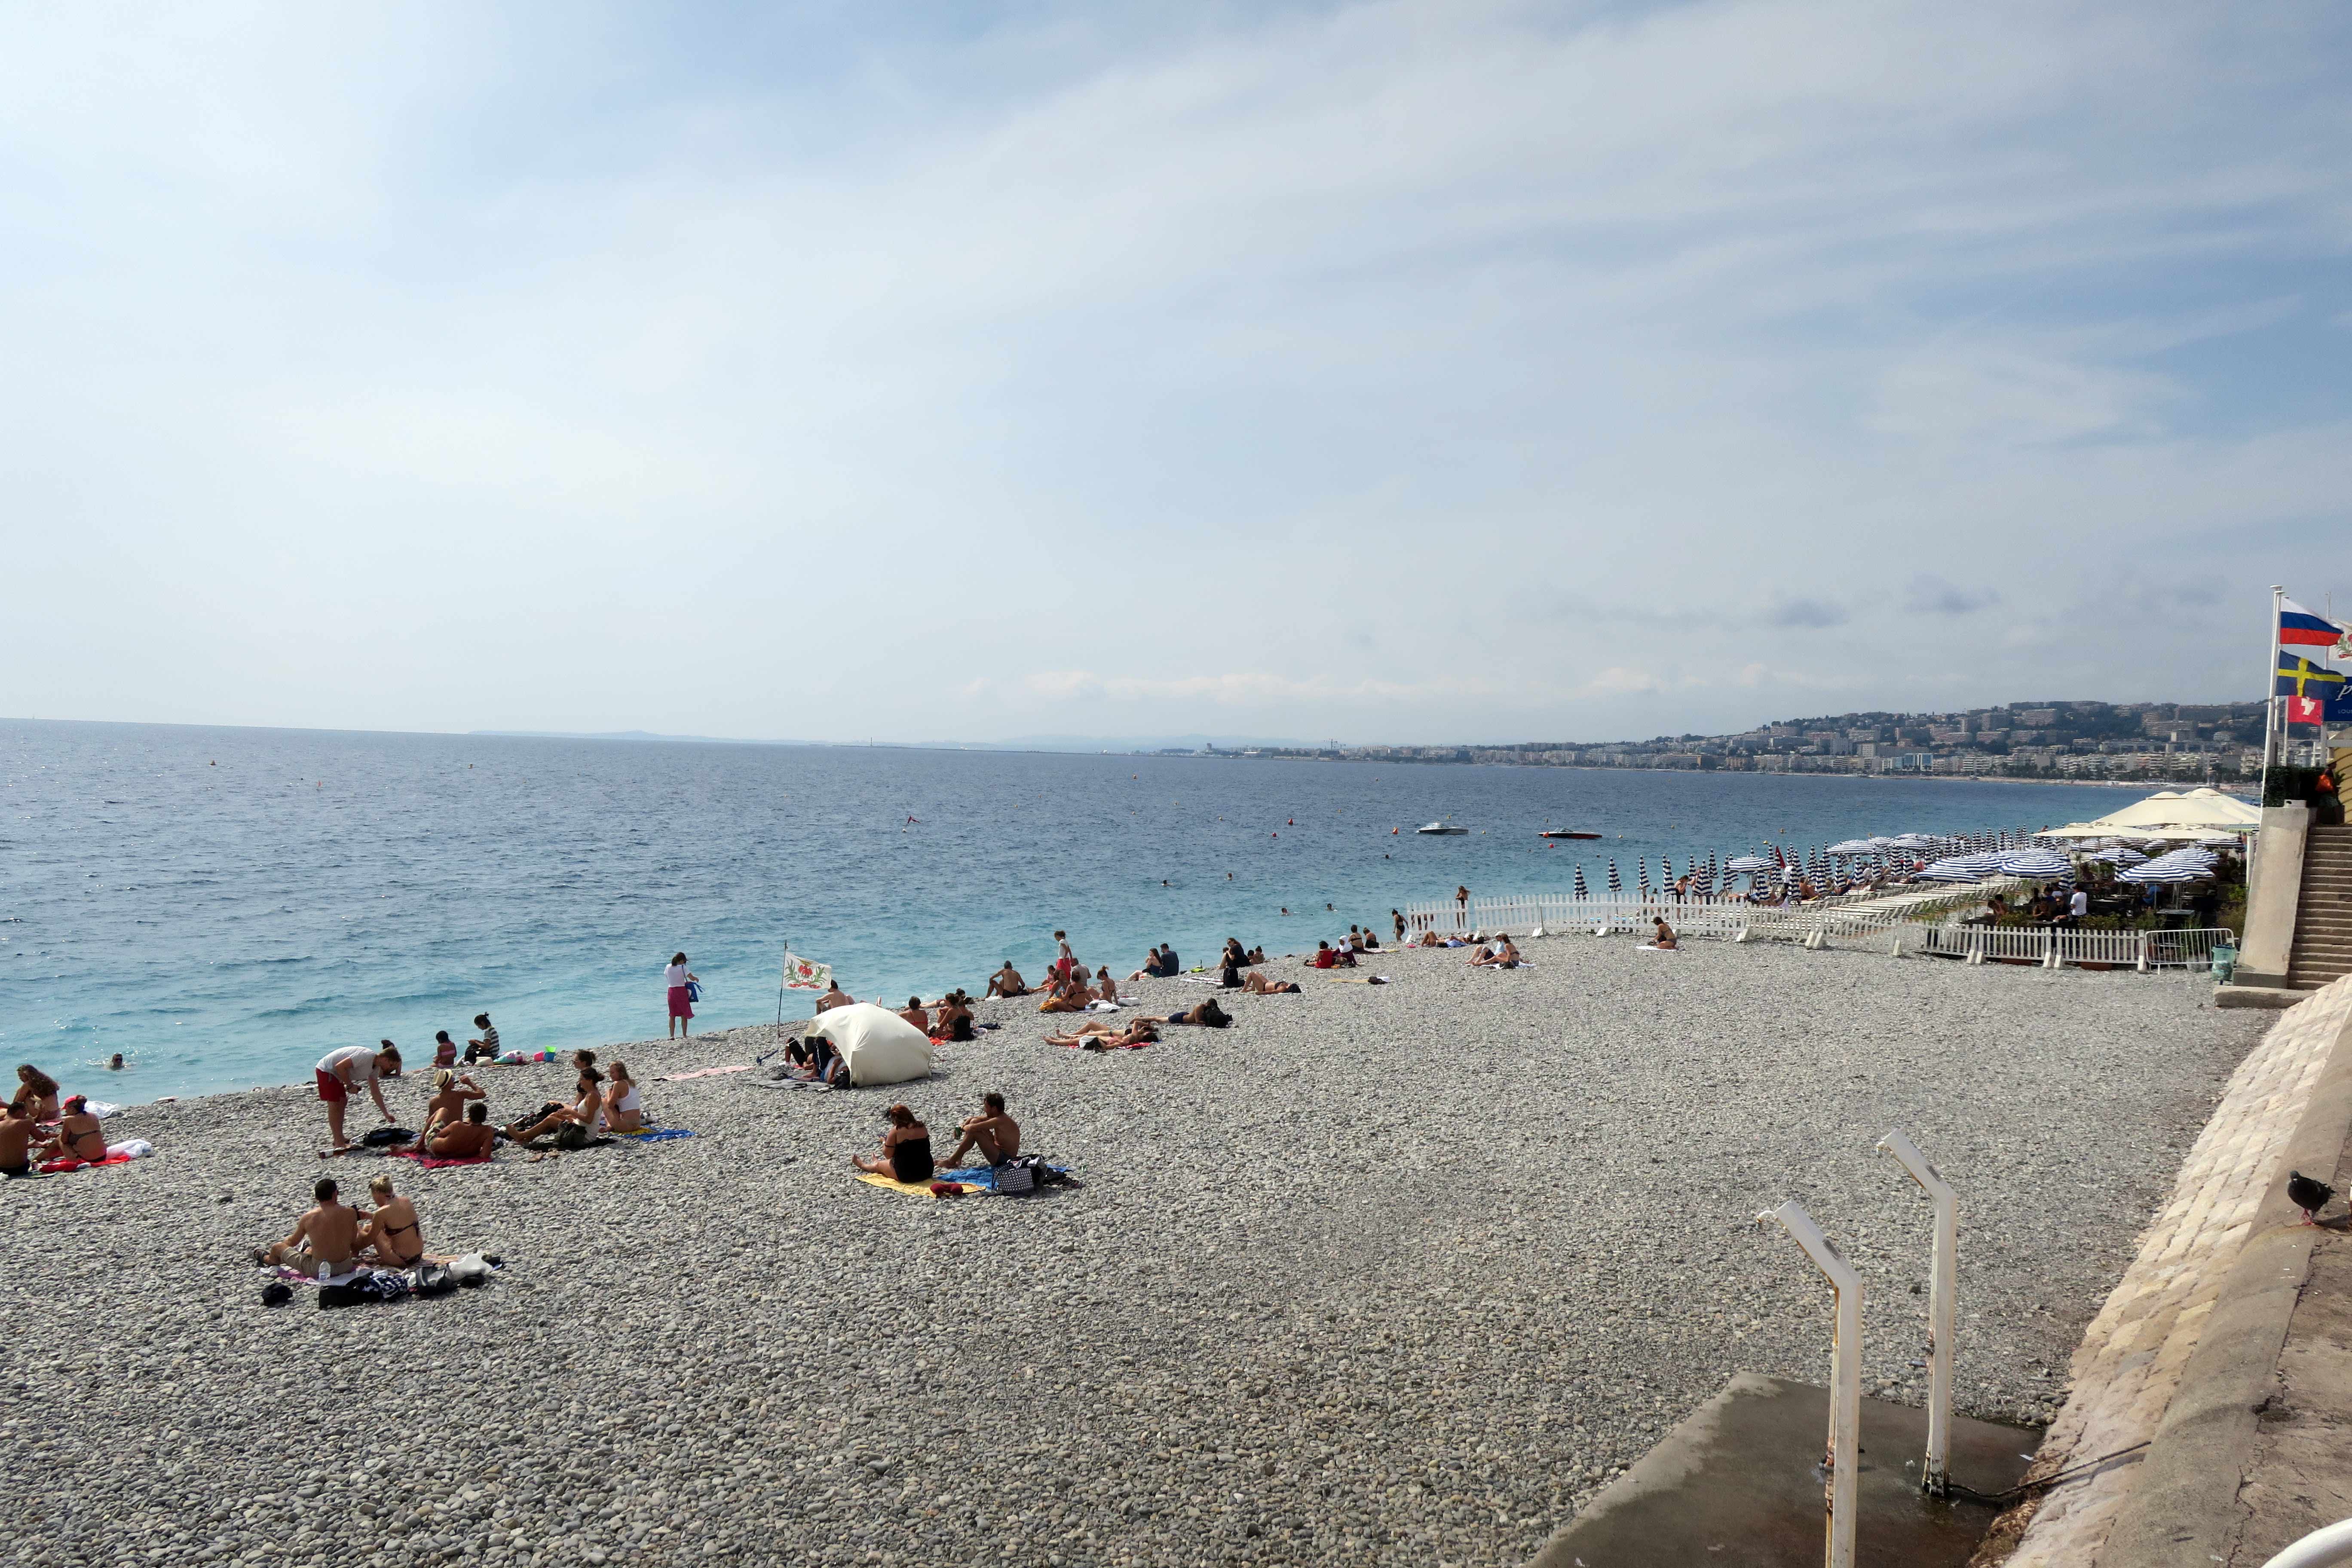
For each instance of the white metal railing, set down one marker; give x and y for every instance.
(2060, 945)
(2325, 1548)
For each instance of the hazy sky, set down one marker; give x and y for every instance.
(1384, 372)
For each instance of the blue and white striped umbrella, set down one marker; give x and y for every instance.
(1616, 887)
(1642, 878)
(1580, 882)
(1747, 863)
(2042, 865)
(1852, 846)
(1955, 870)
(2157, 871)
(2121, 855)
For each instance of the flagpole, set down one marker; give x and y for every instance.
(2270, 687)
(781, 971)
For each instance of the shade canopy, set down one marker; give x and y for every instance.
(2042, 865)
(2200, 809)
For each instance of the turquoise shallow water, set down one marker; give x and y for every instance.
(223, 906)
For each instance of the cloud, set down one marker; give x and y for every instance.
(1929, 595)
(1808, 614)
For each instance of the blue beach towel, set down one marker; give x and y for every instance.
(655, 1134)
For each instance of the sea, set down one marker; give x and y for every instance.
(224, 906)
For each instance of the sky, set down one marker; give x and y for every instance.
(1385, 371)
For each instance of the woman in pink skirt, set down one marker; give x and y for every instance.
(681, 1008)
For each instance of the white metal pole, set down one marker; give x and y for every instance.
(2270, 686)
(2328, 1548)
(1942, 1285)
(1845, 1379)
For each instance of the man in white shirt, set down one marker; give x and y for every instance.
(2078, 906)
(342, 1072)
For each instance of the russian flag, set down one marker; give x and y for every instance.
(2298, 627)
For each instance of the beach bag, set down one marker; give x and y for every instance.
(432, 1280)
(350, 1294)
(1017, 1177)
(572, 1135)
(383, 1136)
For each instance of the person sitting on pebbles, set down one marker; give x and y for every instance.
(1502, 955)
(624, 1106)
(17, 1140)
(1007, 981)
(835, 997)
(906, 1149)
(954, 1017)
(37, 1094)
(572, 1124)
(993, 1134)
(1069, 996)
(469, 1140)
(451, 1090)
(915, 1013)
(391, 1236)
(1665, 939)
(79, 1137)
(324, 1242)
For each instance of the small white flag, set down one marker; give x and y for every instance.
(801, 975)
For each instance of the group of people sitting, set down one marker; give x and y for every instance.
(332, 1237)
(43, 1124)
(906, 1154)
(602, 1103)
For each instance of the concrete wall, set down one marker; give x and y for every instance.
(2272, 892)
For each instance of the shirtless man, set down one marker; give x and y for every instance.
(1007, 981)
(340, 1071)
(451, 1090)
(323, 1241)
(836, 997)
(467, 1140)
(915, 1014)
(995, 1135)
(17, 1140)
(392, 1236)
(79, 1137)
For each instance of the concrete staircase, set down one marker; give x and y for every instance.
(2323, 923)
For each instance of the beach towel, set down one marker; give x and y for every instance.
(704, 1072)
(1653, 947)
(296, 1276)
(1357, 979)
(99, 1108)
(655, 1134)
(68, 1163)
(913, 1189)
(436, 1162)
(816, 1084)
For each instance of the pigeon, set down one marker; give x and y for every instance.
(2308, 1196)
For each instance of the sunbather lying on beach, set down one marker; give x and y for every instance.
(1137, 1031)
(79, 1135)
(1007, 981)
(1202, 1015)
(36, 1093)
(17, 1140)
(451, 1091)
(1257, 984)
(993, 1134)
(906, 1149)
(1429, 939)
(572, 1124)
(625, 1108)
(467, 1140)
(391, 1236)
(324, 1241)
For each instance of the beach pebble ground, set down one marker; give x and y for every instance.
(1395, 1274)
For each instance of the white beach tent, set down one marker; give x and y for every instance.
(879, 1046)
(2207, 808)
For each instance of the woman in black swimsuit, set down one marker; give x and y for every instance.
(79, 1135)
(906, 1149)
(391, 1230)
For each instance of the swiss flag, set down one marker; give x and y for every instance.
(2303, 709)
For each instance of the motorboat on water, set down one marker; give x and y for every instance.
(1442, 830)
(1564, 833)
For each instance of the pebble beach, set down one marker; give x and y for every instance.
(1396, 1274)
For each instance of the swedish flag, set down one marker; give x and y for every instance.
(2316, 692)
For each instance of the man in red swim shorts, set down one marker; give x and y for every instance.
(342, 1072)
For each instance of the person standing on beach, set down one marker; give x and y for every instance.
(340, 1072)
(678, 977)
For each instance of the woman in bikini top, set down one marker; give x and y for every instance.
(380, 1230)
(76, 1142)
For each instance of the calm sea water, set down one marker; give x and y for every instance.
(223, 906)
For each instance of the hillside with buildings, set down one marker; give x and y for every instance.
(2049, 740)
